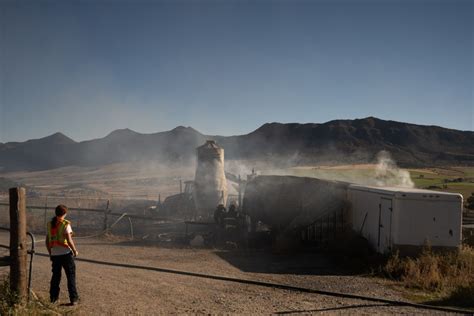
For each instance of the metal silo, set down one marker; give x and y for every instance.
(210, 187)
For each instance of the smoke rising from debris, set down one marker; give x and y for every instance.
(384, 171)
(387, 172)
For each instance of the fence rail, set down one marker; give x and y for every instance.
(79, 209)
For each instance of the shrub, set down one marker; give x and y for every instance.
(450, 273)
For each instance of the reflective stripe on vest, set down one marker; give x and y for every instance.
(56, 234)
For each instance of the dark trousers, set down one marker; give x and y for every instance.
(67, 263)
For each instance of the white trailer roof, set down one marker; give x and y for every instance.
(408, 193)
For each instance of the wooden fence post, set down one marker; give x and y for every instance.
(18, 246)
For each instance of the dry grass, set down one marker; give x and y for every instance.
(450, 275)
(439, 278)
(9, 304)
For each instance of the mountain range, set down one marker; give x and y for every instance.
(334, 142)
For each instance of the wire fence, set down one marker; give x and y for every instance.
(92, 217)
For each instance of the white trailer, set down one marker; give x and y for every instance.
(406, 219)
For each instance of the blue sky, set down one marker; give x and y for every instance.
(86, 68)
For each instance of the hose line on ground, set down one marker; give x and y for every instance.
(275, 285)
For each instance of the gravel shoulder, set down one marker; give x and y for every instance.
(111, 290)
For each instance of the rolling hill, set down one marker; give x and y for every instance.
(338, 141)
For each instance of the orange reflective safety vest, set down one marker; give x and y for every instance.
(56, 235)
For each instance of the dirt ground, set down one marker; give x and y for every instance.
(113, 290)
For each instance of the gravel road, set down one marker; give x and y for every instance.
(114, 290)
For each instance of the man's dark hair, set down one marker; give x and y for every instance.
(59, 211)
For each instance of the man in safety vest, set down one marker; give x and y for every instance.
(62, 251)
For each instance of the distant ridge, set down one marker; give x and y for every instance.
(126, 132)
(338, 141)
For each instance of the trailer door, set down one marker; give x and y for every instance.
(384, 243)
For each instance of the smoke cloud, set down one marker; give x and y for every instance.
(384, 171)
(387, 172)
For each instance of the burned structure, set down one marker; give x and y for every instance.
(210, 185)
(388, 218)
(288, 203)
(181, 204)
(310, 209)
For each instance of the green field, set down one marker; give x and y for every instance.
(449, 179)
(455, 179)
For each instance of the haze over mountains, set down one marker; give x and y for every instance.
(338, 141)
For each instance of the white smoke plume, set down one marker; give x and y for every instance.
(387, 172)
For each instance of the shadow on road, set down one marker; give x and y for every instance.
(268, 262)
